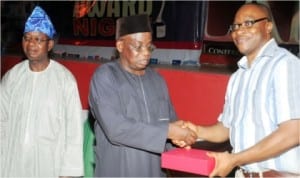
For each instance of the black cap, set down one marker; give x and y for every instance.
(132, 24)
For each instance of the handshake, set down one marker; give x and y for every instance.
(183, 133)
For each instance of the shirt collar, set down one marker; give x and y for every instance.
(243, 62)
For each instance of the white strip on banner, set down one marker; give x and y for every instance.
(84, 115)
(159, 56)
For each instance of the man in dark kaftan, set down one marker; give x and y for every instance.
(134, 115)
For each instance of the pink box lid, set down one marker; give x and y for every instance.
(193, 161)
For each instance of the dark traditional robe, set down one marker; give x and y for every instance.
(132, 115)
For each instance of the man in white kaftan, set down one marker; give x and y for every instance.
(41, 126)
(41, 122)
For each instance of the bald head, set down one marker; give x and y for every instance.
(255, 8)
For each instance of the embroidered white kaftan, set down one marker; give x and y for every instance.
(41, 124)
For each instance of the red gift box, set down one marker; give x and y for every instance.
(193, 161)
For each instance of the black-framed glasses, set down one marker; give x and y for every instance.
(246, 24)
(35, 39)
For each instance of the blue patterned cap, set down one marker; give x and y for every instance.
(39, 21)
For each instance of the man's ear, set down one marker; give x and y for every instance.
(120, 45)
(50, 45)
(269, 27)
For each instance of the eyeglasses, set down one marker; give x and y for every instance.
(139, 48)
(246, 24)
(35, 40)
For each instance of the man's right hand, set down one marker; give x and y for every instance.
(181, 135)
